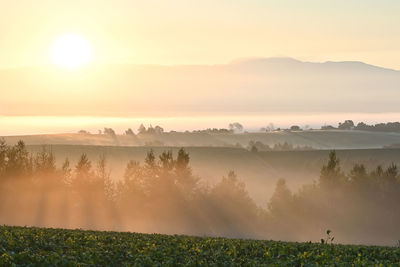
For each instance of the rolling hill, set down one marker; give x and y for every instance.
(317, 139)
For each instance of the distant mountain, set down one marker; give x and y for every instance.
(291, 63)
(256, 85)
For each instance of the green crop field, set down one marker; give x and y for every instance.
(58, 247)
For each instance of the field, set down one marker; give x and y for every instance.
(318, 139)
(50, 247)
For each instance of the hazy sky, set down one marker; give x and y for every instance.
(207, 31)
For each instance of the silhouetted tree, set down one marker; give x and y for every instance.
(363, 127)
(167, 161)
(151, 130)
(83, 132)
(104, 175)
(358, 175)
(158, 130)
(346, 125)
(377, 173)
(131, 191)
(3, 156)
(44, 162)
(281, 201)
(184, 172)
(331, 173)
(129, 132)
(182, 160)
(236, 127)
(295, 128)
(327, 127)
(232, 203)
(141, 129)
(150, 159)
(132, 170)
(66, 172)
(390, 175)
(19, 163)
(109, 131)
(83, 171)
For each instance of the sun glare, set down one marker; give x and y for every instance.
(71, 51)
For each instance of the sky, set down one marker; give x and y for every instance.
(192, 32)
(203, 32)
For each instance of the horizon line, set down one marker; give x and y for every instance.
(238, 60)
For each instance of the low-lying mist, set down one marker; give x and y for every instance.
(161, 194)
(22, 125)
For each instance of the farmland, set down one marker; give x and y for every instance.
(318, 139)
(45, 247)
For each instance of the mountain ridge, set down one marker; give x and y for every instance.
(256, 85)
(238, 61)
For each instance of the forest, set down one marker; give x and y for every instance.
(163, 195)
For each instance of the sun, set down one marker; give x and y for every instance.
(71, 51)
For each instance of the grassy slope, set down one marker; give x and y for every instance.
(50, 247)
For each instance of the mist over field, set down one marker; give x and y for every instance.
(253, 121)
(199, 133)
(277, 177)
(219, 191)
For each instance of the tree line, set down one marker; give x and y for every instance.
(360, 206)
(161, 194)
(255, 146)
(234, 127)
(362, 126)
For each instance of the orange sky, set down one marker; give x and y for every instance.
(190, 31)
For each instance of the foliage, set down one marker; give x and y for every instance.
(331, 173)
(129, 132)
(157, 195)
(329, 239)
(362, 126)
(346, 125)
(109, 131)
(255, 146)
(379, 127)
(358, 205)
(236, 127)
(162, 195)
(214, 131)
(157, 130)
(57, 247)
(295, 128)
